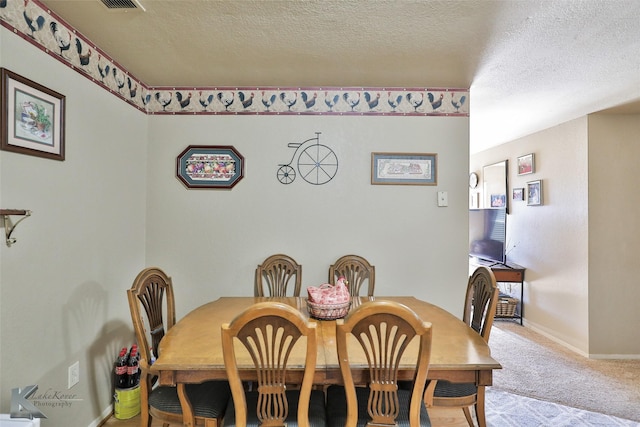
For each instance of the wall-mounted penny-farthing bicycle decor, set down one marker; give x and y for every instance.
(316, 163)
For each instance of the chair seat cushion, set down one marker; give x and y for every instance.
(337, 407)
(449, 389)
(317, 413)
(209, 399)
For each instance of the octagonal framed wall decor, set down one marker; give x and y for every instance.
(210, 166)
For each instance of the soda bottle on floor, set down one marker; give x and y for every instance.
(133, 371)
(121, 369)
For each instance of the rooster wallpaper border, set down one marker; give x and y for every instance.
(42, 28)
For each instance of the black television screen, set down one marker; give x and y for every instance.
(488, 234)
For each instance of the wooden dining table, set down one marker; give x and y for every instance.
(191, 351)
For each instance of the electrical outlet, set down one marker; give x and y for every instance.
(74, 374)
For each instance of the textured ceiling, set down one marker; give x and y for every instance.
(530, 64)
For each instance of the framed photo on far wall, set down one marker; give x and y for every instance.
(534, 193)
(498, 200)
(526, 164)
(32, 117)
(518, 194)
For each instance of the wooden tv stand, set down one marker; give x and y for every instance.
(504, 273)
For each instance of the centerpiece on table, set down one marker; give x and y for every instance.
(329, 302)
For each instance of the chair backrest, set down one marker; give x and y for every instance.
(356, 270)
(151, 302)
(269, 331)
(383, 329)
(481, 301)
(275, 273)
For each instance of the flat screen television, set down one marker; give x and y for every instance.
(488, 234)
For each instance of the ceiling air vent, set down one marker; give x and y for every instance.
(122, 4)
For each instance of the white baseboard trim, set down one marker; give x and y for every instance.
(542, 332)
(615, 356)
(102, 417)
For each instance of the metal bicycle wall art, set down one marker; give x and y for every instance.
(316, 163)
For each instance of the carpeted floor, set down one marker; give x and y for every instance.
(536, 367)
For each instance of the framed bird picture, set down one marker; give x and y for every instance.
(32, 117)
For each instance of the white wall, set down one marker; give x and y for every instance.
(580, 247)
(551, 241)
(210, 241)
(62, 285)
(614, 235)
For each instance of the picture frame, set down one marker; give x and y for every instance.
(518, 194)
(495, 185)
(33, 117)
(210, 166)
(498, 200)
(404, 168)
(526, 164)
(534, 193)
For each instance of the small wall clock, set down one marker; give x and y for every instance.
(473, 180)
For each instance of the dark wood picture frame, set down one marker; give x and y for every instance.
(33, 118)
(210, 166)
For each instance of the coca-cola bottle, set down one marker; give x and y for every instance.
(133, 372)
(121, 369)
(137, 379)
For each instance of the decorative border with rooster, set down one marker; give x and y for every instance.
(41, 27)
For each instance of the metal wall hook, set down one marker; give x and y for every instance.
(9, 226)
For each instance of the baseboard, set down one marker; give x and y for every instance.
(555, 339)
(103, 417)
(615, 356)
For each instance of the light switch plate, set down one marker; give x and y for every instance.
(443, 198)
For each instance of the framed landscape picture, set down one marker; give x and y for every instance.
(32, 117)
(404, 168)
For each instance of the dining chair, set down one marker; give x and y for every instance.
(356, 270)
(383, 330)
(270, 332)
(152, 303)
(275, 274)
(479, 310)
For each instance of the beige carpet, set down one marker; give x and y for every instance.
(536, 367)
